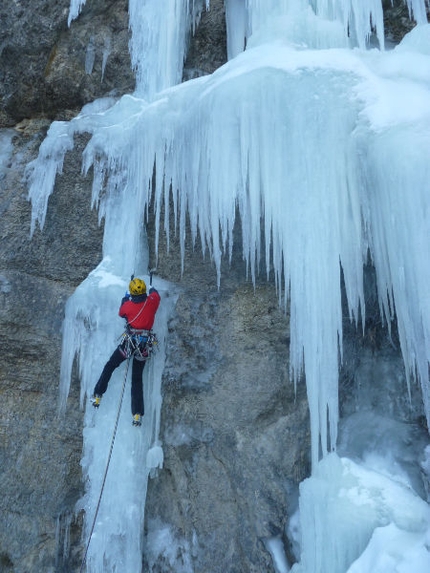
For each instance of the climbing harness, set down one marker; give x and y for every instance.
(139, 344)
(106, 470)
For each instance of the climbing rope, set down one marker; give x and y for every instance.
(106, 470)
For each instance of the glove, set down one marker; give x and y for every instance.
(152, 289)
(125, 298)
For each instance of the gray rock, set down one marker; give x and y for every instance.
(43, 61)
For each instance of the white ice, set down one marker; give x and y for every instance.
(357, 520)
(275, 547)
(6, 149)
(326, 145)
(75, 9)
(163, 544)
(92, 332)
(159, 39)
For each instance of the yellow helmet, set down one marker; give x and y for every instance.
(137, 287)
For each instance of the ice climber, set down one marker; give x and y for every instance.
(139, 309)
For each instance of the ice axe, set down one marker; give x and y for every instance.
(151, 272)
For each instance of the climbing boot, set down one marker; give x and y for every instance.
(137, 420)
(95, 400)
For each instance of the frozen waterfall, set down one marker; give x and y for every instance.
(326, 145)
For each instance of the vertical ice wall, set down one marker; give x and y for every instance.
(116, 541)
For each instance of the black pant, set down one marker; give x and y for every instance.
(117, 358)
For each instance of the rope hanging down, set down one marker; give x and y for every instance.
(106, 470)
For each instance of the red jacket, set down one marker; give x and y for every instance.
(140, 315)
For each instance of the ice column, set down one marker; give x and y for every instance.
(159, 41)
(235, 15)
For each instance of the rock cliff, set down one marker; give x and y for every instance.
(229, 487)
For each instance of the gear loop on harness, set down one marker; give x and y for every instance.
(137, 343)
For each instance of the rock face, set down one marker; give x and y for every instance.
(40, 475)
(47, 68)
(228, 473)
(236, 435)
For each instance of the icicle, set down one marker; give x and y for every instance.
(90, 56)
(417, 10)
(6, 148)
(41, 173)
(106, 53)
(62, 538)
(400, 246)
(235, 14)
(75, 9)
(358, 17)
